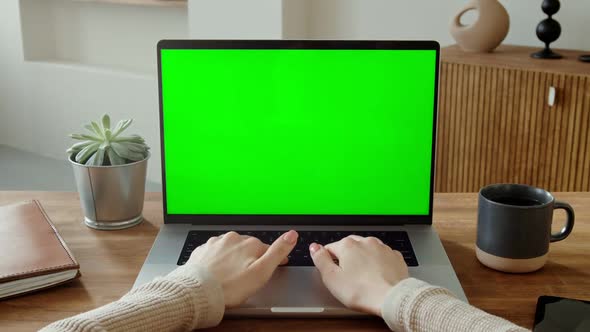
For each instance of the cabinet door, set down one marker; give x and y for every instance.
(554, 152)
(495, 125)
(581, 161)
(481, 126)
(567, 152)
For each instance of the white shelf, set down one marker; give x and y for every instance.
(106, 34)
(103, 69)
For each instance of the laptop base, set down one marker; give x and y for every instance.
(297, 291)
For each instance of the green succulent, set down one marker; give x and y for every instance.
(105, 146)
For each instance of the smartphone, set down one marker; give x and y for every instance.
(561, 314)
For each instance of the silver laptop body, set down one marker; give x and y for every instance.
(297, 291)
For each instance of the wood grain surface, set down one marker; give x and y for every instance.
(518, 57)
(495, 124)
(110, 261)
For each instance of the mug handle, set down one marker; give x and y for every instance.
(569, 223)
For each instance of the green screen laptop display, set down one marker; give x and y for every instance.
(303, 132)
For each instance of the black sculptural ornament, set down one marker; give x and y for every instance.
(548, 30)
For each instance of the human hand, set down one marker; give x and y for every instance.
(365, 272)
(242, 264)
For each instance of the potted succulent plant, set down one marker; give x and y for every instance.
(110, 171)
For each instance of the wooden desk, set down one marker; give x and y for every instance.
(110, 262)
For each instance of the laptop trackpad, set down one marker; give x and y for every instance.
(294, 289)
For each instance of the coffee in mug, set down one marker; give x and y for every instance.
(514, 226)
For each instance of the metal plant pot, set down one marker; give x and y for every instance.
(111, 196)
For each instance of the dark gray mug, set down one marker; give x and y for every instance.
(514, 226)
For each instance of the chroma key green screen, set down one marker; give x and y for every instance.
(276, 131)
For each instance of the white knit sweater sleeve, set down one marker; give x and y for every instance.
(414, 305)
(188, 298)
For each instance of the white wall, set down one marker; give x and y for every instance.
(42, 101)
(225, 19)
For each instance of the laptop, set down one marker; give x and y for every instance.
(329, 138)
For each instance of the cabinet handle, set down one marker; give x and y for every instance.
(551, 97)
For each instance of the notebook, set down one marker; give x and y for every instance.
(34, 256)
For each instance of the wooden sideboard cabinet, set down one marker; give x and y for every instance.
(505, 117)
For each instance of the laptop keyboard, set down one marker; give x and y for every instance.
(397, 240)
